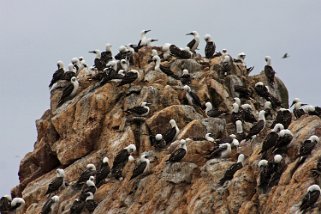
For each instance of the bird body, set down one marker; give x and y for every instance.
(57, 182)
(209, 47)
(170, 135)
(193, 45)
(69, 91)
(58, 75)
(142, 167)
(178, 154)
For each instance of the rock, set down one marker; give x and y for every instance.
(179, 172)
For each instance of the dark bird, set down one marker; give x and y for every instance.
(240, 135)
(313, 110)
(102, 172)
(70, 73)
(5, 203)
(142, 166)
(284, 116)
(247, 113)
(286, 55)
(263, 91)
(69, 91)
(226, 66)
(310, 198)
(98, 63)
(186, 77)
(106, 55)
(268, 71)
(57, 182)
(211, 112)
(142, 110)
(236, 113)
(222, 151)
(192, 97)
(179, 153)
(298, 110)
(90, 203)
(276, 170)
(58, 75)
(268, 110)
(243, 91)
(193, 45)
(229, 173)
(159, 142)
(88, 187)
(163, 69)
(17, 204)
(85, 175)
(180, 53)
(264, 175)
(129, 77)
(49, 205)
(271, 140)
(257, 127)
(77, 206)
(285, 138)
(210, 46)
(121, 159)
(171, 134)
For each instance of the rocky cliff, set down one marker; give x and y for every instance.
(95, 124)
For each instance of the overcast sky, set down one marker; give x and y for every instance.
(35, 34)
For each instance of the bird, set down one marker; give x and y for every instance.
(70, 73)
(5, 203)
(142, 166)
(192, 97)
(171, 134)
(90, 204)
(49, 205)
(222, 151)
(240, 135)
(98, 62)
(209, 47)
(124, 64)
(193, 44)
(271, 139)
(276, 169)
(310, 198)
(236, 113)
(284, 116)
(77, 206)
(141, 110)
(88, 187)
(285, 138)
(85, 175)
(226, 66)
(166, 51)
(121, 159)
(268, 110)
(258, 126)
(179, 153)
(129, 77)
(103, 171)
(69, 91)
(163, 69)
(263, 92)
(59, 73)
(186, 77)
(211, 112)
(298, 110)
(209, 137)
(57, 182)
(264, 177)
(286, 55)
(180, 53)
(229, 173)
(243, 91)
(247, 113)
(159, 142)
(17, 204)
(106, 55)
(313, 110)
(268, 71)
(143, 38)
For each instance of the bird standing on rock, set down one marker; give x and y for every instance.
(178, 154)
(193, 45)
(69, 91)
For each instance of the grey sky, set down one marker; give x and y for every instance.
(35, 34)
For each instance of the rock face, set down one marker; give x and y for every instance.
(95, 124)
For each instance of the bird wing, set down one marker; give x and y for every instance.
(177, 155)
(196, 99)
(122, 157)
(65, 93)
(58, 75)
(306, 147)
(139, 169)
(270, 141)
(47, 206)
(217, 151)
(169, 135)
(210, 49)
(128, 78)
(191, 44)
(55, 184)
(256, 128)
(168, 71)
(85, 176)
(4, 204)
(175, 51)
(138, 110)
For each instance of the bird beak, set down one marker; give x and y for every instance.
(292, 104)
(304, 104)
(148, 103)
(91, 52)
(154, 40)
(189, 34)
(146, 31)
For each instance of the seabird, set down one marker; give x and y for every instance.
(161, 68)
(69, 91)
(264, 175)
(240, 135)
(85, 175)
(247, 113)
(298, 110)
(268, 71)
(17, 203)
(268, 109)
(236, 113)
(5, 203)
(285, 138)
(58, 75)
(310, 198)
(263, 91)
(142, 110)
(90, 203)
(57, 182)
(276, 170)
(180, 53)
(222, 151)
(78, 66)
(97, 62)
(142, 166)
(129, 77)
(103, 171)
(166, 51)
(124, 64)
(284, 116)
(143, 39)
(229, 173)
(229, 139)
(193, 45)
(209, 47)
(257, 127)
(271, 139)
(186, 77)
(171, 134)
(106, 55)
(243, 91)
(192, 97)
(212, 112)
(209, 137)
(240, 58)
(179, 153)
(121, 159)
(226, 65)
(286, 55)
(305, 150)
(89, 187)
(77, 206)
(313, 110)
(159, 142)
(49, 205)
(70, 73)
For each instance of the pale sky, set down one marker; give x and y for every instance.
(35, 34)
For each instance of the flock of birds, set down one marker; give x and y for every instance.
(109, 68)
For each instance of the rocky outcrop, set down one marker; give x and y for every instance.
(95, 124)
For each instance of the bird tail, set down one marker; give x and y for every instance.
(298, 163)
(222, 181)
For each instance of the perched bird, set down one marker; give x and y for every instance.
(186, 77)
(85, 175)
(298, 110)
(161, 68)
(263, 91)
(193, 45)
(180, 53)
(98, 63)
(103, 171)
(226, 66)
(77, 206)
(284, 117)
(57, 182)
(58, 75)
(247, 113)
(159, 142)
(142, 110)
(243, 91)
(106, 55)
(268, 71)
(171, 134)
(276, 170)
(179, 153)
(143, 38)
(70, 73)
(69, 91)
(142, 166)
(313, 110)
(285, 138)
(211, 112)
(236, 113)
(286, 55)
(257, 127)
(121, 159)
(240, 135)
(268, 110)
(264, 175)
(271, 139)
(166, 51)
(90, 203)
(209, 137)
(209, 47)
(310, 198)
(78, 66)
(88, 187)
(129, 77)
(229, 173)
(17, 204)
(192, 97)
(5, 203)
(222, 151)
(48, 206)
